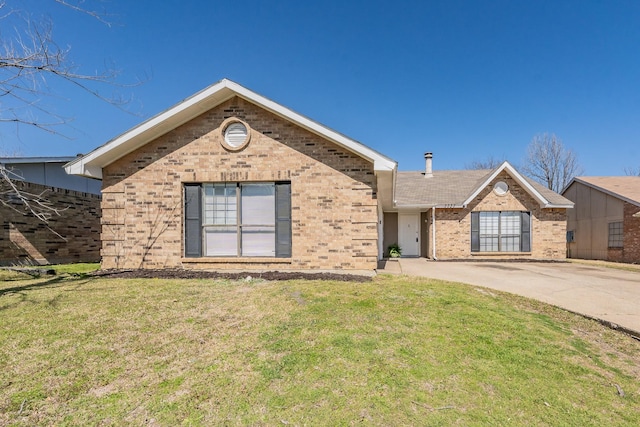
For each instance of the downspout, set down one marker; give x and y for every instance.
(433, 233)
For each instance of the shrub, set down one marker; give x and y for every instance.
(395, 250)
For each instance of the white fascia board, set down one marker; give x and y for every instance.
(519, 179)
(82, 169)
(420, 206)
(198, 104)
(147, 130)
(429, 206)
(559, 206)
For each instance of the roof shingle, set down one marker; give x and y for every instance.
(453, 188)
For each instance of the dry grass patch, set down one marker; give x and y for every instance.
(395, 351)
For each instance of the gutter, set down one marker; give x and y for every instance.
(393, 186)
(552, 206)
(429, 206)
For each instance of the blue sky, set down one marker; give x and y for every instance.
(463, 79)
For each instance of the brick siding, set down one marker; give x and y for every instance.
(548, 226)
(24, 239)
(630, 251)
(334, 205)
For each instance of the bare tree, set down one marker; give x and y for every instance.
(30, 59)
(550, 163)
(632, 171)
(14, 196)
(488, 163)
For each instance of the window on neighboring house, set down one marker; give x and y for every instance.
(571, 236)
(238, 219)
(616, 236)
(508, 231)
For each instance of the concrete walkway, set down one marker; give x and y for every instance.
(606, 294)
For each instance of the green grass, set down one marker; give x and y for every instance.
(78, 269)
(76, 350)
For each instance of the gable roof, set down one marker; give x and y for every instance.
(458, 188)
(626, 188)
(92, 163)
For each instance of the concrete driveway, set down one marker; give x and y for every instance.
(603, 293)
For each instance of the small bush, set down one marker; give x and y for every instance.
(395, 250)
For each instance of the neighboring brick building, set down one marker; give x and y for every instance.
(24, 239)
(605, 223)
(228, 179)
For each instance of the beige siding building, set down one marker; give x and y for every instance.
(605, 223)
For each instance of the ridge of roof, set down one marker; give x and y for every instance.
(91, 164)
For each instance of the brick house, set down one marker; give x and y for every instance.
(476, 214)
(605, 223)
(228, 179)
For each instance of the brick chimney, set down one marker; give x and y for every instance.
(428, 171)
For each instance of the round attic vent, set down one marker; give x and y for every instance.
(236, 134)
(500, 188)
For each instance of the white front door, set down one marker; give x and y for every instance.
(409, 234)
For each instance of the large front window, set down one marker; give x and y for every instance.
(507, 231)
(238, 219)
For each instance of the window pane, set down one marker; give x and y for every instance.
(221, 241)
(258, 204)
(208, 203)
(510, 231)
(510, 243)
(220, 204)
(489, 223)
(616, 236)
(510, 223)
(258, 241)
(488, 243)
(489, 229)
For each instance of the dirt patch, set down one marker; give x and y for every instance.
(200, 274)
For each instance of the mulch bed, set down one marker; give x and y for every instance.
(199, 274)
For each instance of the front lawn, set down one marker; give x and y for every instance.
(77, 350)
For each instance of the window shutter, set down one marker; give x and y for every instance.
(192, 221)
(283, 220)
(525, 230)
(475, 231)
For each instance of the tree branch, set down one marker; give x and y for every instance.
(30, 61)
(550, 163)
